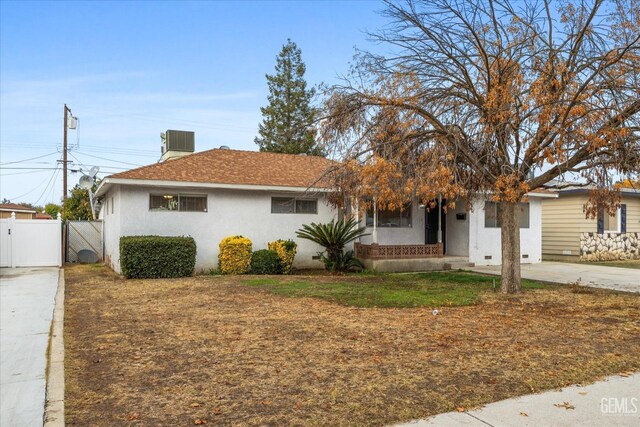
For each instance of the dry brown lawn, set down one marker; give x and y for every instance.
(212, 349)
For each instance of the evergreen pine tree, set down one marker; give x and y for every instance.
(287, 124)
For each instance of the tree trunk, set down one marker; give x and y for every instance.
(510, 232)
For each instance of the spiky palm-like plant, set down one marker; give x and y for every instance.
(333, 236)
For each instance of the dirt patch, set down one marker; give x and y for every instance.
(175, 351)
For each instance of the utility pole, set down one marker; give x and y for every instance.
(65, 162)
(64, 156)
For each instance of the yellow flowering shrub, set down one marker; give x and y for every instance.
(235, 255)
(286, 250)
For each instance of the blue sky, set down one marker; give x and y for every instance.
(130, 70)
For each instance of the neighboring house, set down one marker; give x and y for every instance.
(215, 194)
(568, 235)
(402, 240)
(42, 215)
(22, 212)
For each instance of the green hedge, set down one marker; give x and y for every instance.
(154, 257)
(265, 261)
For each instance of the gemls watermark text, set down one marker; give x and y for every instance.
(619, 405)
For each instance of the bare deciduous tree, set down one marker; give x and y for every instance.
(489, 98)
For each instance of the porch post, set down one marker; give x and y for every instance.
(439, 219)
(357, 214)
(374, 235)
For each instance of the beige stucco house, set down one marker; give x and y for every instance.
(568, 235)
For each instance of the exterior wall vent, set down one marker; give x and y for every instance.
(488, 257)
(525, 256)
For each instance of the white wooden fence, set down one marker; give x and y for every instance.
(30, 242)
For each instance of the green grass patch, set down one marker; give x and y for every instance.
(448, 289)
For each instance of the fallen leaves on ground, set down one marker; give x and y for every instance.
(565, 405)
(230, 347)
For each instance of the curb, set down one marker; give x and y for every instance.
(54, 401)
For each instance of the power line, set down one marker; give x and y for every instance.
(206, 125)
(53, 187)
(97, 148)
(21, 173)
(51, 168)
(53, 175)
(19, 167)
(28, 192)
(26, 160)
(104, 158)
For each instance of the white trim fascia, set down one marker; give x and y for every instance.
(531, 194)
(18, 210)
(102, 189)
(543, 195)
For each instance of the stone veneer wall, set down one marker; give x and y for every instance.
(609, 246)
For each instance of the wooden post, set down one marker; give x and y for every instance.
(64, 156)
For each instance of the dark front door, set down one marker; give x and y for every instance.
(431, 224)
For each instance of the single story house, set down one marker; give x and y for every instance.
(267, 196)
(568, 235)
(214, 194)
(22, 212)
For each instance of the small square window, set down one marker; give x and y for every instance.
(282, 205)
(391, 218)
(177, 202)
(163, 202)
(293, 205)
(610, 222)
(306, 206)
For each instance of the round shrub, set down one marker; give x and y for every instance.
(235, 255)
(265, 261)
(286, 250)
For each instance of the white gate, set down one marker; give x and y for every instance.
(83, 235)
(30, 242)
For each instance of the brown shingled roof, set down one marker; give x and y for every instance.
(237, 167)
(15, 207)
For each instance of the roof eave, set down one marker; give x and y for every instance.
(108, 182)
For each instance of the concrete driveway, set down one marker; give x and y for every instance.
(27, 297)
(598, 276)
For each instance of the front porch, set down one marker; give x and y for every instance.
(401, 258)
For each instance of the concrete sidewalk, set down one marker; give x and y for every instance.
(598, 276)
(613, 402)
(27, 298)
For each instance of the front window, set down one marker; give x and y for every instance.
(391, 217)
(293, 205)
(178, 202)
(492, 215)
(611, 222)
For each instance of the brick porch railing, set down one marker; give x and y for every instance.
(376, 251)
